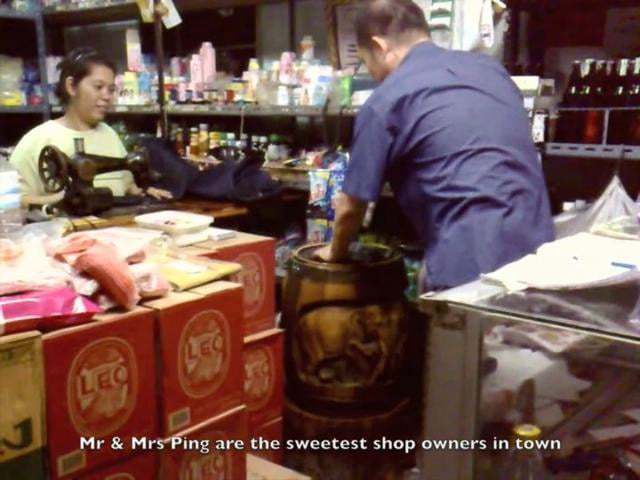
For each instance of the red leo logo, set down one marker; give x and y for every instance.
(102, 387)
(215, 465)
(259, 368)
(252, 278)
(204, 351)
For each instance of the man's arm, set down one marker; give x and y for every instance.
(350, 212)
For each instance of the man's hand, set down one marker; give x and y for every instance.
(323, 254)
(159, 193)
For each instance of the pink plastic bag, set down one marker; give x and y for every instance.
(102, 263)
(44, 310)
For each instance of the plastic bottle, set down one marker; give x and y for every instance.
(11, 214)
(522, 463)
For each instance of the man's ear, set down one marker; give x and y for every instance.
(70, 86)
(380, 43)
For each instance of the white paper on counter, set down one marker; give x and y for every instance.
(579, 261)
(625, 431)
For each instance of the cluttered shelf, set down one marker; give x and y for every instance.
(90, 12)
(123, 109)
(611, 152)
(296, 177)
(113, 10)
(22, 109)
(13, 14)
(227, 110)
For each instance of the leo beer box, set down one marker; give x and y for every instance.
(256, 254)
(139, 467)
(263, 377)
(100, 381)
(22, 416)
(201, 452)
(200, 367)
(270, 431)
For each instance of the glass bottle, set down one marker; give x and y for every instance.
(633, 90)
(570, 97)
(599, 84)
(523, 463)
(586, 75)
(620, 80)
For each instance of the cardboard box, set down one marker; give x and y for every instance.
(269, 431)
(200, 365)
(198, 457)
(264, 379)
(139, 467)
(260, 469)
(256, 254)
(22, 414)
(101, 382)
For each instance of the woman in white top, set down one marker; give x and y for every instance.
(85, 89)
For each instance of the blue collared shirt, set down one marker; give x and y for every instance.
(448, 130)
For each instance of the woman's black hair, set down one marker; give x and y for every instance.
(77, 65)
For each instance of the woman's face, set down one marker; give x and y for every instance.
(92, 96)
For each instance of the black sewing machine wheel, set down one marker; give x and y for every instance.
(54, 172)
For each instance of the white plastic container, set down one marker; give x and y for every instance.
(174, 222)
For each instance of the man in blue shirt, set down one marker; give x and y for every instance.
(449, 132)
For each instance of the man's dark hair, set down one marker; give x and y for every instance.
(388, 18)
(77, 65)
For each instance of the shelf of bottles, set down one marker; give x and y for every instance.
(601, 106)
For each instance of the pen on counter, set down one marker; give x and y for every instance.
(624, 265)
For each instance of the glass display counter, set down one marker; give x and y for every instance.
(566, 361)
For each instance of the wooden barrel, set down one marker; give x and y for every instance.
(346, 328)
(398, 422)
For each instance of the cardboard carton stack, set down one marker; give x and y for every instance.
(263, 343)
(200, 365)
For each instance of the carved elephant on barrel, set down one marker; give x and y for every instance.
(350, 345)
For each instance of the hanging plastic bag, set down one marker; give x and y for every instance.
(612, 204)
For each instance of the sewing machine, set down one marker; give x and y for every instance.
(75, 175)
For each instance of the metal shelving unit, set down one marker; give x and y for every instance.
(36, 18)
(577, 150)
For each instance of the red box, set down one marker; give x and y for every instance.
(140, 467)
(230, 464)
(256, 254)
(100, 381)
(270, 431)
(200, 337)
(263, 376)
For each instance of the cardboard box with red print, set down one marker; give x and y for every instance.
(256, 254)
(263, 376)
(100, 380)
(139, 467)
(208, 450)
(270, 431)
(200, 354)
